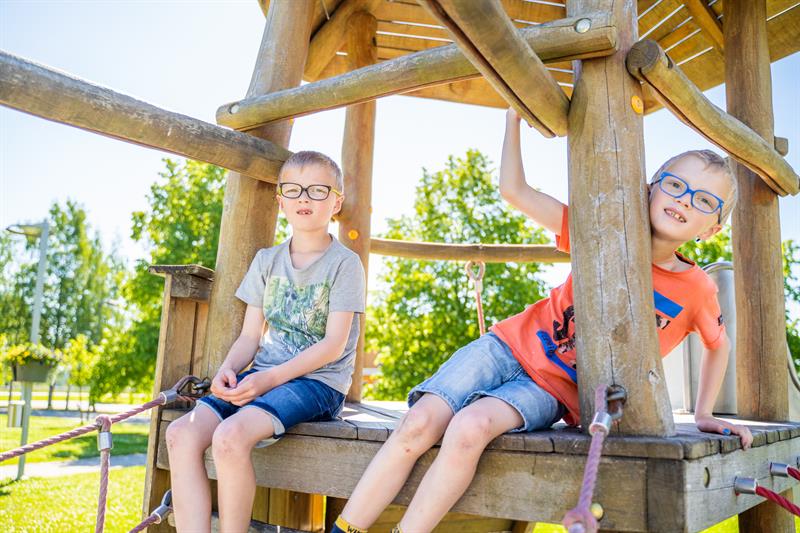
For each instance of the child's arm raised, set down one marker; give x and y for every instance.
(315, 356)
(241, 353)
(541, 208)
(712, 372)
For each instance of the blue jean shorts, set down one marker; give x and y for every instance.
(299, 400)
(486, 367)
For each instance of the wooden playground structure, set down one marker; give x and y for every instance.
(586, 69)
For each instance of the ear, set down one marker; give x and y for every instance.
(337, 207)
(710, 232)
(279, 198)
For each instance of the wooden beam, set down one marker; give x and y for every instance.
(555, 41)
(707, 20)
(47, 93)
(358, 145)
(329, 38)
(487, 37)
(648, 62)
(488, 253)
(608, 204)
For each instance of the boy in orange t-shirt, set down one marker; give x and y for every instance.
(521, 376)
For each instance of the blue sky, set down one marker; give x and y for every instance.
(192, 56)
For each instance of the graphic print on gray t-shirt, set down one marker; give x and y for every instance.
(296, 303)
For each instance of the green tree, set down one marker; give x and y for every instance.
(79, 361)
(79, 283)
(719, 248)
(426, 309)
(180, 226)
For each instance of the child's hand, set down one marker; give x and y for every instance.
(223, 382)
(710, 424)
(512, 116)
(250, 388)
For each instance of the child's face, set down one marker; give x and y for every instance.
(304, 213)
(676, 219)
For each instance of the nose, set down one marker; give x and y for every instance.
(685, 199)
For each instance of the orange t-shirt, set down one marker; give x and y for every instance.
(542, 337)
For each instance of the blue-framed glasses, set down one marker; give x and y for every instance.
(703, 201)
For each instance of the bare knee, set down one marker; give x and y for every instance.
(468, 432)
(417, 431)
(182, 437)
(229, 441)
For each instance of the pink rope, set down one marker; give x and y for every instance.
(780, 500)
(104, 421)
(795, 473)
(149, 521)
(580, 518)
(160, 400)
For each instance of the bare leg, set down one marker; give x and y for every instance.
(386, 474)
(236, 481)
(187, 440)
(471, 430)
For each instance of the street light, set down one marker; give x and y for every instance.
(41, 230)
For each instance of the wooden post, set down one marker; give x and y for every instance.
(250, 210)
(610, 235)
(357, 148)
(762, 380)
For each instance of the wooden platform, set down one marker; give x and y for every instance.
(682, 483)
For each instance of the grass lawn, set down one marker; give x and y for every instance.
(128, 438)
(69, 503)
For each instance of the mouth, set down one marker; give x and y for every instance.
(676, 215)
(304, 211)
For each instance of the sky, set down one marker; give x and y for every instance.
(192, 56)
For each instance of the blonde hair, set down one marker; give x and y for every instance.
(716, 162)
(310, 157)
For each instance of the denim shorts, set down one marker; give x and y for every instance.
(486, 367)
(299, 400)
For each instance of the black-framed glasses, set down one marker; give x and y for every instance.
(317, 192)
(703, 201)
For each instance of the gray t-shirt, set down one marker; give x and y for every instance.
(296, 303)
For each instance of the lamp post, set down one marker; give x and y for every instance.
(41, 230)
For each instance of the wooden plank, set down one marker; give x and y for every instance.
(707, 20)
(490, 41)
(329, 38)
(709, 496)
(52, 95)
(191, 270)
(648, 62)
(488, 253)
(621, 481)
(608, 200)
(173, 361)
(554, 42)
(358, 145)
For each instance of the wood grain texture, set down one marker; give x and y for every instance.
(486, 36)
(761, 372)
(46, 93)
(648, 62)
(610, 236)
(488, 253)
(554, 41)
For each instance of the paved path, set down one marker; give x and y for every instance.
(76, 466)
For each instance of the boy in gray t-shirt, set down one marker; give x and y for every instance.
(300, 333)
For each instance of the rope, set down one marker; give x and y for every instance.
(777, 498)
(581, 519)
(147, 522)
(158, 515)
(10, 454)
(795, 473)
(104, 421)
(477, 278)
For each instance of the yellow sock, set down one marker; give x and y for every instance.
(345, 526)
